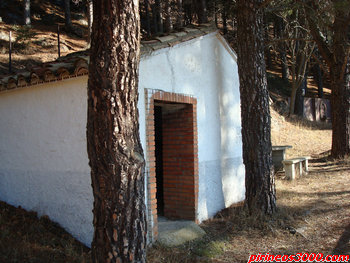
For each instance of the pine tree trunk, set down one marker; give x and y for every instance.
(159, 16)
(279, 31)
(215, 13)
(89, 18)
(148, 19)
(317, 72)
(27, 20)
(337, 57)
(67, 17)
(188, 11)
(224, 22)
(168, 19)
(267, 48)
(299, 97)
(284, 63)
(340, 85)
(202, 11)
(114, 148)
(180, 16)
(255, 111)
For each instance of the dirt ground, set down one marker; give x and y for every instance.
(313, 211)
(312, 216)
(38, 43)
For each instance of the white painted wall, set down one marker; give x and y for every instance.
(43, 156)
(206, 69)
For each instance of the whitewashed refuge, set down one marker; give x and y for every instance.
(190, 129)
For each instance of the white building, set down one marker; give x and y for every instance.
(188, 102)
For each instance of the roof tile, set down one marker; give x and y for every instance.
(77, 64)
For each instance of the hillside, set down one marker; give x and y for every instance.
(38, 43)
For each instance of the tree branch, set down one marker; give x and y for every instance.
(319, 39)
(289, 39)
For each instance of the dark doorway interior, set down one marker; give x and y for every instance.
(158, 122)
(175, 160)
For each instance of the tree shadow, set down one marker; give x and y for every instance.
(326, 164)
(343, 244)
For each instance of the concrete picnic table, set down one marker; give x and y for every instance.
(278, 155)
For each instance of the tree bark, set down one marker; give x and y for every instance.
(317, 72)
(168, 19)
(255, 111)
(89, 18)
(180, 14)
(340, 85)
(202, 11)
(279, 31)
(299, 97)
(27, 20)
(148, 19)
(224, 21)
(267, 48)
(67, 16)
(336, 56)
(159, 16)
(340, 97)
(114, 148)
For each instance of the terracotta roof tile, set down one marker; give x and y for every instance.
(76, 64)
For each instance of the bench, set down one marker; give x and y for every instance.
(299, 164)
(278, 155)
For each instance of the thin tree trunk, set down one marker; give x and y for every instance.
(180, 16)
(148, 20)
(284, 63)
(168, 20)
(202, 11)
(279, 31)
(188, 10)
(27, 20)
(89, 18)
(340, 85)
(255, 111)
(114, 148)
(224, 21)
(67, 16)
(215, 13)
(159, 15)
(155, 18)
(292, 98)
(267, 48)
(299, 97)
(336, 56)
(319, 79)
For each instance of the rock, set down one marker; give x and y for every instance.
(44, 42)
(291, 230)
(175, 233)
(301, 231)
(83, 22)
(4, 36)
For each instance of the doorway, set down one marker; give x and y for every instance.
(175, 158)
